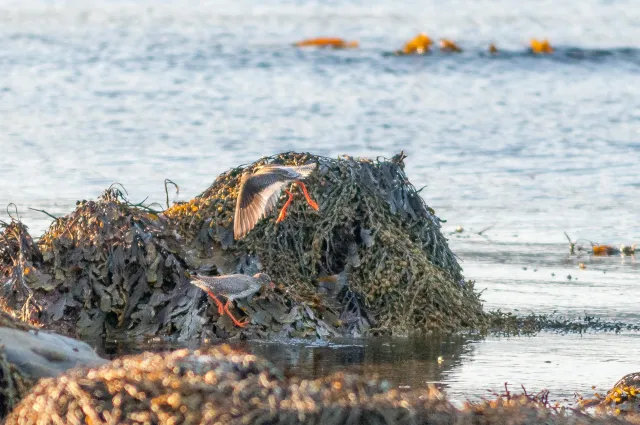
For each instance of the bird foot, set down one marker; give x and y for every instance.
(218, 303)
(283, 211)
(233, 319)
(310, 201)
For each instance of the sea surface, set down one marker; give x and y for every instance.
(516, 147)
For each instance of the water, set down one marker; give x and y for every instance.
(135, 92)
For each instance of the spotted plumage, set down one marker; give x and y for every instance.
(232, 287)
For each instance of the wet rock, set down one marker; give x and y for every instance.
(38, 354)
(28, 354)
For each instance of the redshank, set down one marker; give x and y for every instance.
(260, 191)
(233, 287)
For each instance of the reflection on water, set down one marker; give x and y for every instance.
(94, 92)
(466, 367)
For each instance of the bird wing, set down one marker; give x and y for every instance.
(233, 284)
(292, 171)
(222, 285)
(305, 170)
(258, 195)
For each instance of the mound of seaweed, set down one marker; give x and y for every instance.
(622, 400)
(373, 260)
(218, 385)
(108, 266)
(221, 385)
(114, 270)
(374, 245)
(20, 263)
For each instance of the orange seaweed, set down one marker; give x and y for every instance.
(543, 46)
(449, 46)
(336, 43)
(418, 45)
(602, 250)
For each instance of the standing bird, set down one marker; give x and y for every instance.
(260, 191)
(233, 287)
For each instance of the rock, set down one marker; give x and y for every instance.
(27, 354)
(39, 354)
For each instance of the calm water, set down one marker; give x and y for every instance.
(93, 92)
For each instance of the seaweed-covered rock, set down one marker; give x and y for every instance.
(622, 400)
(108, 268)
(372, 259)
(217, 385)
(112, 269)
(526, 409)
(221, 385)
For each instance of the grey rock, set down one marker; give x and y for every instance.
(42, 354)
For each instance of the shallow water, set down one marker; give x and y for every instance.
(139, 91)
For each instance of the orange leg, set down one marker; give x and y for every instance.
(235, 321)
(218, 303)
(311, 202)
(283, 211)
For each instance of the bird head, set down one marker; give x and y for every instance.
(264, 280)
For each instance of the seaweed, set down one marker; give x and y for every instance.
(221, 385)
(372, 261)
(373, 227)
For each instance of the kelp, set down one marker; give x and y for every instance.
(13, 385)
(208, 386)
(20, 264)
(373, 229)
(110, 266)
(113, 269)
(221, 385)
(372, 260)
(622, 400)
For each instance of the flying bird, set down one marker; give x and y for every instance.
(259, 193)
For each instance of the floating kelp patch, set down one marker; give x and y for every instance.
(373, 230)
(582, 246)
(540, 46)
(418, 45)
(334, 42)
(509, 324)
